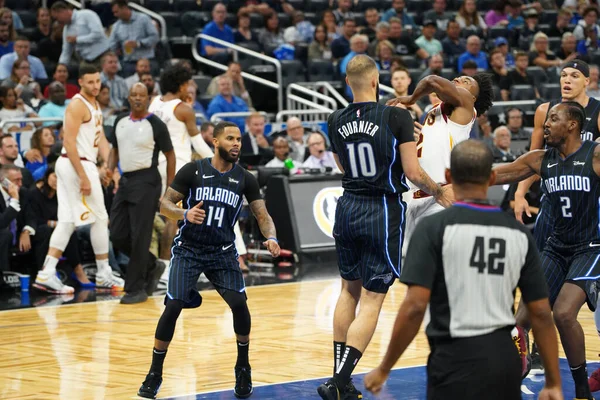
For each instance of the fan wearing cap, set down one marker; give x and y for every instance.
(427, 40)
(502, 44)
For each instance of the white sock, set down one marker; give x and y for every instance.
(103, 266)
(50, 265)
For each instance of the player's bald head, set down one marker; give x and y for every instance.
(471, 162)
(360, 72)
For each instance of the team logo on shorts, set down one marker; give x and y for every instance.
(84, 216)
(324, 208)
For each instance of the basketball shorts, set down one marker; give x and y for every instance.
(578, 264)
(416, 210)
(220, 267)
(368, 233)
(543, 225)
(73, 207)
(162, 168)
(478, 367)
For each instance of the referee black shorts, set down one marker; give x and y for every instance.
(480, 367)
(368, 234)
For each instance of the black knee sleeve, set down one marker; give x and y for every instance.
(239, 308)
(166, 324)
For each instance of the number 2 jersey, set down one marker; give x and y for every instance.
(573, 189)
(365, 137)
(221, 194)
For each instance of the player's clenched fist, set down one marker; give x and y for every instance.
(273, 247)
(195, 214)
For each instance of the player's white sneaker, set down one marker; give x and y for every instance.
(108, 280)
(49, 282)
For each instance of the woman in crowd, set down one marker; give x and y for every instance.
(320, 46)
(25, 86)
(42, 140)
(13, 107)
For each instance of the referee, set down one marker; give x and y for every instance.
(139, 136)
(467, 263)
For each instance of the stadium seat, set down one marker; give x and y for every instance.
(17, 5)
(292, 71)
(385, 78)
(449, 73)
(233, 6)
(202, 81)
(28, 32)
(320, 70)
(186, 5)
(256, 21)
(538, 73)
(313, 18)
(497, 94)
(550, 91)
(364, 5)
(554, 44)
(301, 52)
(207, 5)
(158, 5)
(548, 17)
(284, 20)
(522, 92)
(231, 20)
(594, 57)
(317, 5)
(297, 4)
(192, 22)
(411, 61)
(173, 22)
(465, 33)
(269, 49)
(418, 6)
(415, 74)
(497, 31)
(28, 18)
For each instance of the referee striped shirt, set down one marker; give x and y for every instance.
(472, 257)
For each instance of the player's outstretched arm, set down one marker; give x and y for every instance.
(522, 168)
(169, 207)
(186, 114)
(266, 226)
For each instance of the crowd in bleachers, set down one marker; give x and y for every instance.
(521, 43)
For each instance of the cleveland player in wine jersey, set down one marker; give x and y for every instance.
(446, 125)
(570, 170)
(212, 191)
(374, 146)
(79, 192)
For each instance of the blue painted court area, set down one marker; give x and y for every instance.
(405, 384)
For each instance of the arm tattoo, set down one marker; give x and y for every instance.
(425, 183)
(169, 207)
(265, 222)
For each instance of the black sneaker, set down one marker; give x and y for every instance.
(537, 368)
(329, 390)
(153, 276)
(243, 382)
(151, 386)
(134, 298)
(351, 393)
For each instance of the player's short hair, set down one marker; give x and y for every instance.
(205, 125)
(358, 67)
(173, 77)
(221, 126)
(471, 162)
(87, 68)
(575, 112)
(485, 97)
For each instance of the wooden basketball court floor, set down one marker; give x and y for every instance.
(102, 350)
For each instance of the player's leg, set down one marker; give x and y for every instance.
(181, 294)
(344, 315)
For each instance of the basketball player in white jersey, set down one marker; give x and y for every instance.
(79, 191)
(447, 124)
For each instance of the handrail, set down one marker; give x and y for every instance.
(330, 89)
(387, 89)
(246, 75)
(309, 103)
(281, 114)
(514, 103)
(7, 121)
(244, 50)
(163, 23)
(218, 116)
(312, 93)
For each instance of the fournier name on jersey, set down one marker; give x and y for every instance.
(350, 128)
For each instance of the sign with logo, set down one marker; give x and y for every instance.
(324, 206)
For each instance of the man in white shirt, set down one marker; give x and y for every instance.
(319, 157)
(281, 148)
(297, 139)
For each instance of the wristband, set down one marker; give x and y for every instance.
(185, 215)
(273, 239)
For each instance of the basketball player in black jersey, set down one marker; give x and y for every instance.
(374, 147)
(212, 190)
(570, 170)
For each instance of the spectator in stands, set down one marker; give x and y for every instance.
(427, 40)
(57, 105)
(498, 67)
(398, 11)
(44, 25)
(342, 13)
(385, 52)
(42, 141)
(501, 149)
(497, 16)
(340, 47)
(514, 116)
(142, 66)
(133, 36)
(541, 56)
(16, 20)
(226, 102)
(297, 139)
(104, 102)
(469, 68)
(435, 64)
(401, 82)
(593, 90)
(6, 45)
(319, 157)
(21, 81)
(301, 31)
(473, 53)
(255, 142)
(438, 14)
(358, 45)
(518, 76)
(192, 100)
(590, 19)
(50, 48)
(271, 36)
(207, 130)
(6, 16)
(371, 19)
(15, 108)
(243, 33)
(405, 45)
(281, 150)
(61, 74)
(382, 33)
(10, 206)
(530, 28)
(83, 35)
(234, 71)
(469, 18)
(117, 85)
(265, 6)
(220, 30)
(502, 44)
(568, 46)
(328, 20)
(9, 153)
(320, 46)
(590, 44)
(148, 80)
(22, 48)
(515, 19)
(453, 44)
(563, 20)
